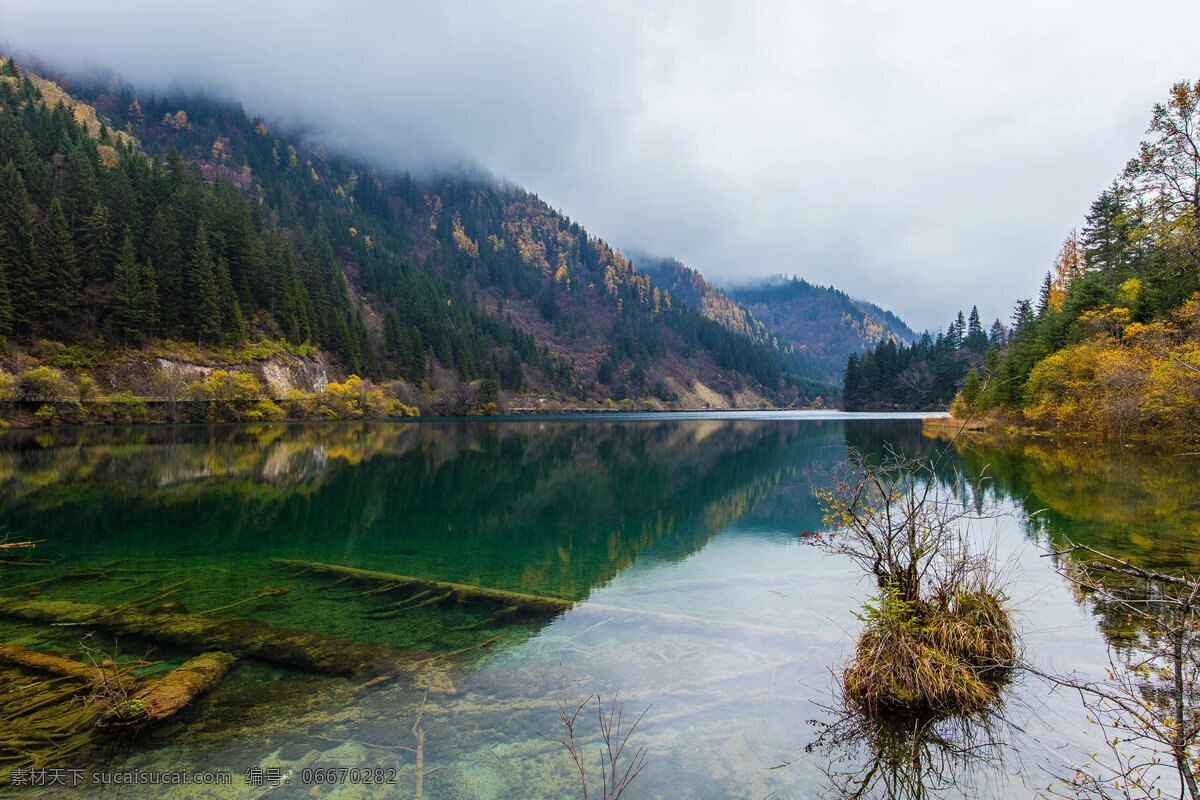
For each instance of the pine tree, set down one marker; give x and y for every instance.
(17, 228)
(56, 275)
(127, 294)
(488, 393)
(1106, 237)
(6, 308)
(160, 247)
(148, 297)
(976, 340)
(79, 188)
(970, 390)
(997, 335)
(1044, 296)
(95, 246)
(204, 298)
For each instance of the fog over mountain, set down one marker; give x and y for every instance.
(925, 156)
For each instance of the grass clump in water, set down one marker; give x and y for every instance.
(918, 658)
(938, 639)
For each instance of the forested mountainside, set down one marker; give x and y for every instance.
(822, 324)
(1112, 344)
(179, 227)
(925, 374)
(690, 287)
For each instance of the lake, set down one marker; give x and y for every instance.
(682, 540)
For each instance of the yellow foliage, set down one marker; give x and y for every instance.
(1068, 268)
(357, 398)
(463, 242)
(108, 156)
(1130, 290)
(230, 396)
(1147, 382)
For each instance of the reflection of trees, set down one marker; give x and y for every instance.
(1147, 707)
(1134, 505)
(1128, 503)
(1124, 524)
(554, 507)
(923, 759)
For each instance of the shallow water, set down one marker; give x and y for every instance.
(681, 536)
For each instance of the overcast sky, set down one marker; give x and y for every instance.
(924, 155)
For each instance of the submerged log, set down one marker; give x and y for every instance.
(44, 662)
(531, 603)
(287, 646)
(149, 701)
(161, 697)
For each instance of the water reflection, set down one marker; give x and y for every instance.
(556, 510)
(682, 536)
(922, 759)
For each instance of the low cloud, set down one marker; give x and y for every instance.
(926, 156)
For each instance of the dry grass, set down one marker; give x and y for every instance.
(932, 660)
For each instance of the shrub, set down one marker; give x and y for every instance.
(126, 408)
(359, 399)
(229, 396)
(45, 384)
(268, 411)
(938, 639)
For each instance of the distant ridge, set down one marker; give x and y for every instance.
(820, 321)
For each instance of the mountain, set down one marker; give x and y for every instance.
(130, 223)
(823, 325)
(690, 287)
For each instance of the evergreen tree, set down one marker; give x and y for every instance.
(127, 294)
(970, 390)
(203, 291)
(1044, 295)
(160, 247)
(79, 192)
(95, 246)
(6, 309)
(56, 273)
(148, 297)
(976, 340)
(997, 334)
(488, 393)
(17, 228)
(1107, 243)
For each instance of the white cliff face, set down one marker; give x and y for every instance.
(315, 368)
(283, 374)
(280, 374)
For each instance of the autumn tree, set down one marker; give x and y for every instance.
(1168, 165)
(1069, 267)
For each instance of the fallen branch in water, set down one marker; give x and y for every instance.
(532, 603)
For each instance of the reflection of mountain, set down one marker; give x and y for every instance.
(557, 508)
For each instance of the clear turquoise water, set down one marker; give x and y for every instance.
(693, 520)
